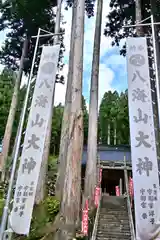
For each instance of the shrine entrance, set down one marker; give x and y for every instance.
(112, 178)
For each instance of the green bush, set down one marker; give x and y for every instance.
(53, 206)
(52, 175)
(1, 207)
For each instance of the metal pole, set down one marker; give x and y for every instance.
(156, 68)
(49, 34)
(140, 25)
(15, 158)
(120, 186)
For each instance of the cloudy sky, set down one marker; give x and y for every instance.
(112, 66)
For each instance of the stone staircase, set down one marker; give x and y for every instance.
(113, 220)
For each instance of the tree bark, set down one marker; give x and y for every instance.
(70, 204)
(12, 111)
(91, 168)
(41, 186)
(66, 114)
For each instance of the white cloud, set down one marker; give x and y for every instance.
(106, 77)
(119, 64)
(116, 60)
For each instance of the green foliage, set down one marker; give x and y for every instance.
(23, 17)
(52, 174)
(123, 132)
(122, 12)
(53, 206)
(56, 129)
(108, 114)
(89, 6)
(43, 216)
(114, 112)
(85, 120)
(1, 206)
(6, 91)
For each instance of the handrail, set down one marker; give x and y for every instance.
(129, 206)
(94, 233)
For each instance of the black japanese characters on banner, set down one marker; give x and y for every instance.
(148, 197)
(34, 141)
(22, 194)
(143, 142)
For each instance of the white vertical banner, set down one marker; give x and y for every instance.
(143, 143)
(31, 158)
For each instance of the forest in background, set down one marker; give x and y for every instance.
(113, 112)
(23, 18)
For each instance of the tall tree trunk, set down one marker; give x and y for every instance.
(12, 111)
(41, 186)
(91, 168)
(66, 114)
(70, 204)
(139, 29)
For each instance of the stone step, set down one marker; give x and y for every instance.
(119, 234)
(113, 219)
(112, 238)
(116, 231)
(113, 200)
(124, 214)
(110, 227)
(113, 210)
(114, 225)
(118, 224)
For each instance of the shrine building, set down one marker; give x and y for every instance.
(112, 160)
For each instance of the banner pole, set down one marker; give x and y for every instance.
(156, 68)
(15, 157)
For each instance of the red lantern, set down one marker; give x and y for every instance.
(97, 196)
(131, 193)
(100, 175)
(117, 191)
(85, 219)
